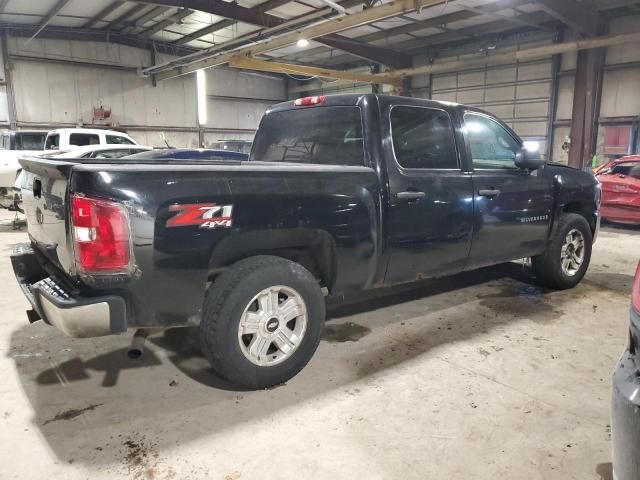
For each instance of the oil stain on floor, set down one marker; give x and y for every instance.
(72, 413)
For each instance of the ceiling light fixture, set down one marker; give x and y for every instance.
(303, 42)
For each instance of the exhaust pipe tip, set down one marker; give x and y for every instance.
(134, 353)
(137, 344)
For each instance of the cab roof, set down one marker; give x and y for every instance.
(352, 99)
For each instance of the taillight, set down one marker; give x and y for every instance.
(306, 101)
(101, 236)
(635, 291)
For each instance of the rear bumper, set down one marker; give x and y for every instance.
(73, 315)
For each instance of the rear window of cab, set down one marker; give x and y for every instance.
(315, 135)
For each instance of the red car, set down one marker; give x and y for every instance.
(620, 179)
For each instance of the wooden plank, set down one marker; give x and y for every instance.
(335, 25)
(247, 63)
(521, 55)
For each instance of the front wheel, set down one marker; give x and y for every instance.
(261, 322)
(565, 262)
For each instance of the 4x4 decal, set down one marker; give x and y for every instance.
(205, 215)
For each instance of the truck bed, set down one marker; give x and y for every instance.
(173, 264)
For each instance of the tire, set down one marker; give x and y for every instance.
(241, 289)
(548, 267)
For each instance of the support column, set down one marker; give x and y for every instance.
(405, 90)
(8, 79)
(586, 107)
(375, 69)
(556, 65)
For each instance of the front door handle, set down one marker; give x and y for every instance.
(411, 195)
(489, 192)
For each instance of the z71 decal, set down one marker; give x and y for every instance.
(205, 215)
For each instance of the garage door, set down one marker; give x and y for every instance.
(519, 94)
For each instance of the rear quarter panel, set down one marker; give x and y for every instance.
(270, 204)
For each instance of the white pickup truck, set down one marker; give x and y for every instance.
(16, 144)
(70, 138)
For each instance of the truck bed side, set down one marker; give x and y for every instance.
(324, 217)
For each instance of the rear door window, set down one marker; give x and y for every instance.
(83, 139)
(118, 140)
(423, 138)
(315, 135)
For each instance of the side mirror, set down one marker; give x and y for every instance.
(528, 159)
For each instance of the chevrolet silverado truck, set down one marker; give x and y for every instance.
(340, 194)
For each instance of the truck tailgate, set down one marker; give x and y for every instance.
(45, 194)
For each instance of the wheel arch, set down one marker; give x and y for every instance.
(314, 249)
(585, 209)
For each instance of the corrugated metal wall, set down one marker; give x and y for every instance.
(64, 94)
(620, 103)
(238, 99)
(518, 94)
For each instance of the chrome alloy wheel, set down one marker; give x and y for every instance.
(572, 252)
(272, 326)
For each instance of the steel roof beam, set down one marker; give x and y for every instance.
(94, 35)
(220, 55)
(577, 15)
(138, 23)
(224, 9)
(172, 20)
(256, 16)
(436, 22)
(51, 14)
(262, 8)
(108, 10)
(248, 63)
(125, 17)
(381, 55)
(424, 43)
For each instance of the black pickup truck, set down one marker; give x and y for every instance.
(340, 194)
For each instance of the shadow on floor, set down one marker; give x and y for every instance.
(616, 282)
(194, 401)
(610, 227)
(605, 471)
(17, 225)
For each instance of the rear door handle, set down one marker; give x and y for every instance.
(411, 195)
(488, 193)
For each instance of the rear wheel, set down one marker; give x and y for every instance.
(565, 262)
(262, 321)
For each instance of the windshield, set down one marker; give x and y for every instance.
(30, 141)
(315, 135)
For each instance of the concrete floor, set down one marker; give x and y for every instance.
(488, 378)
